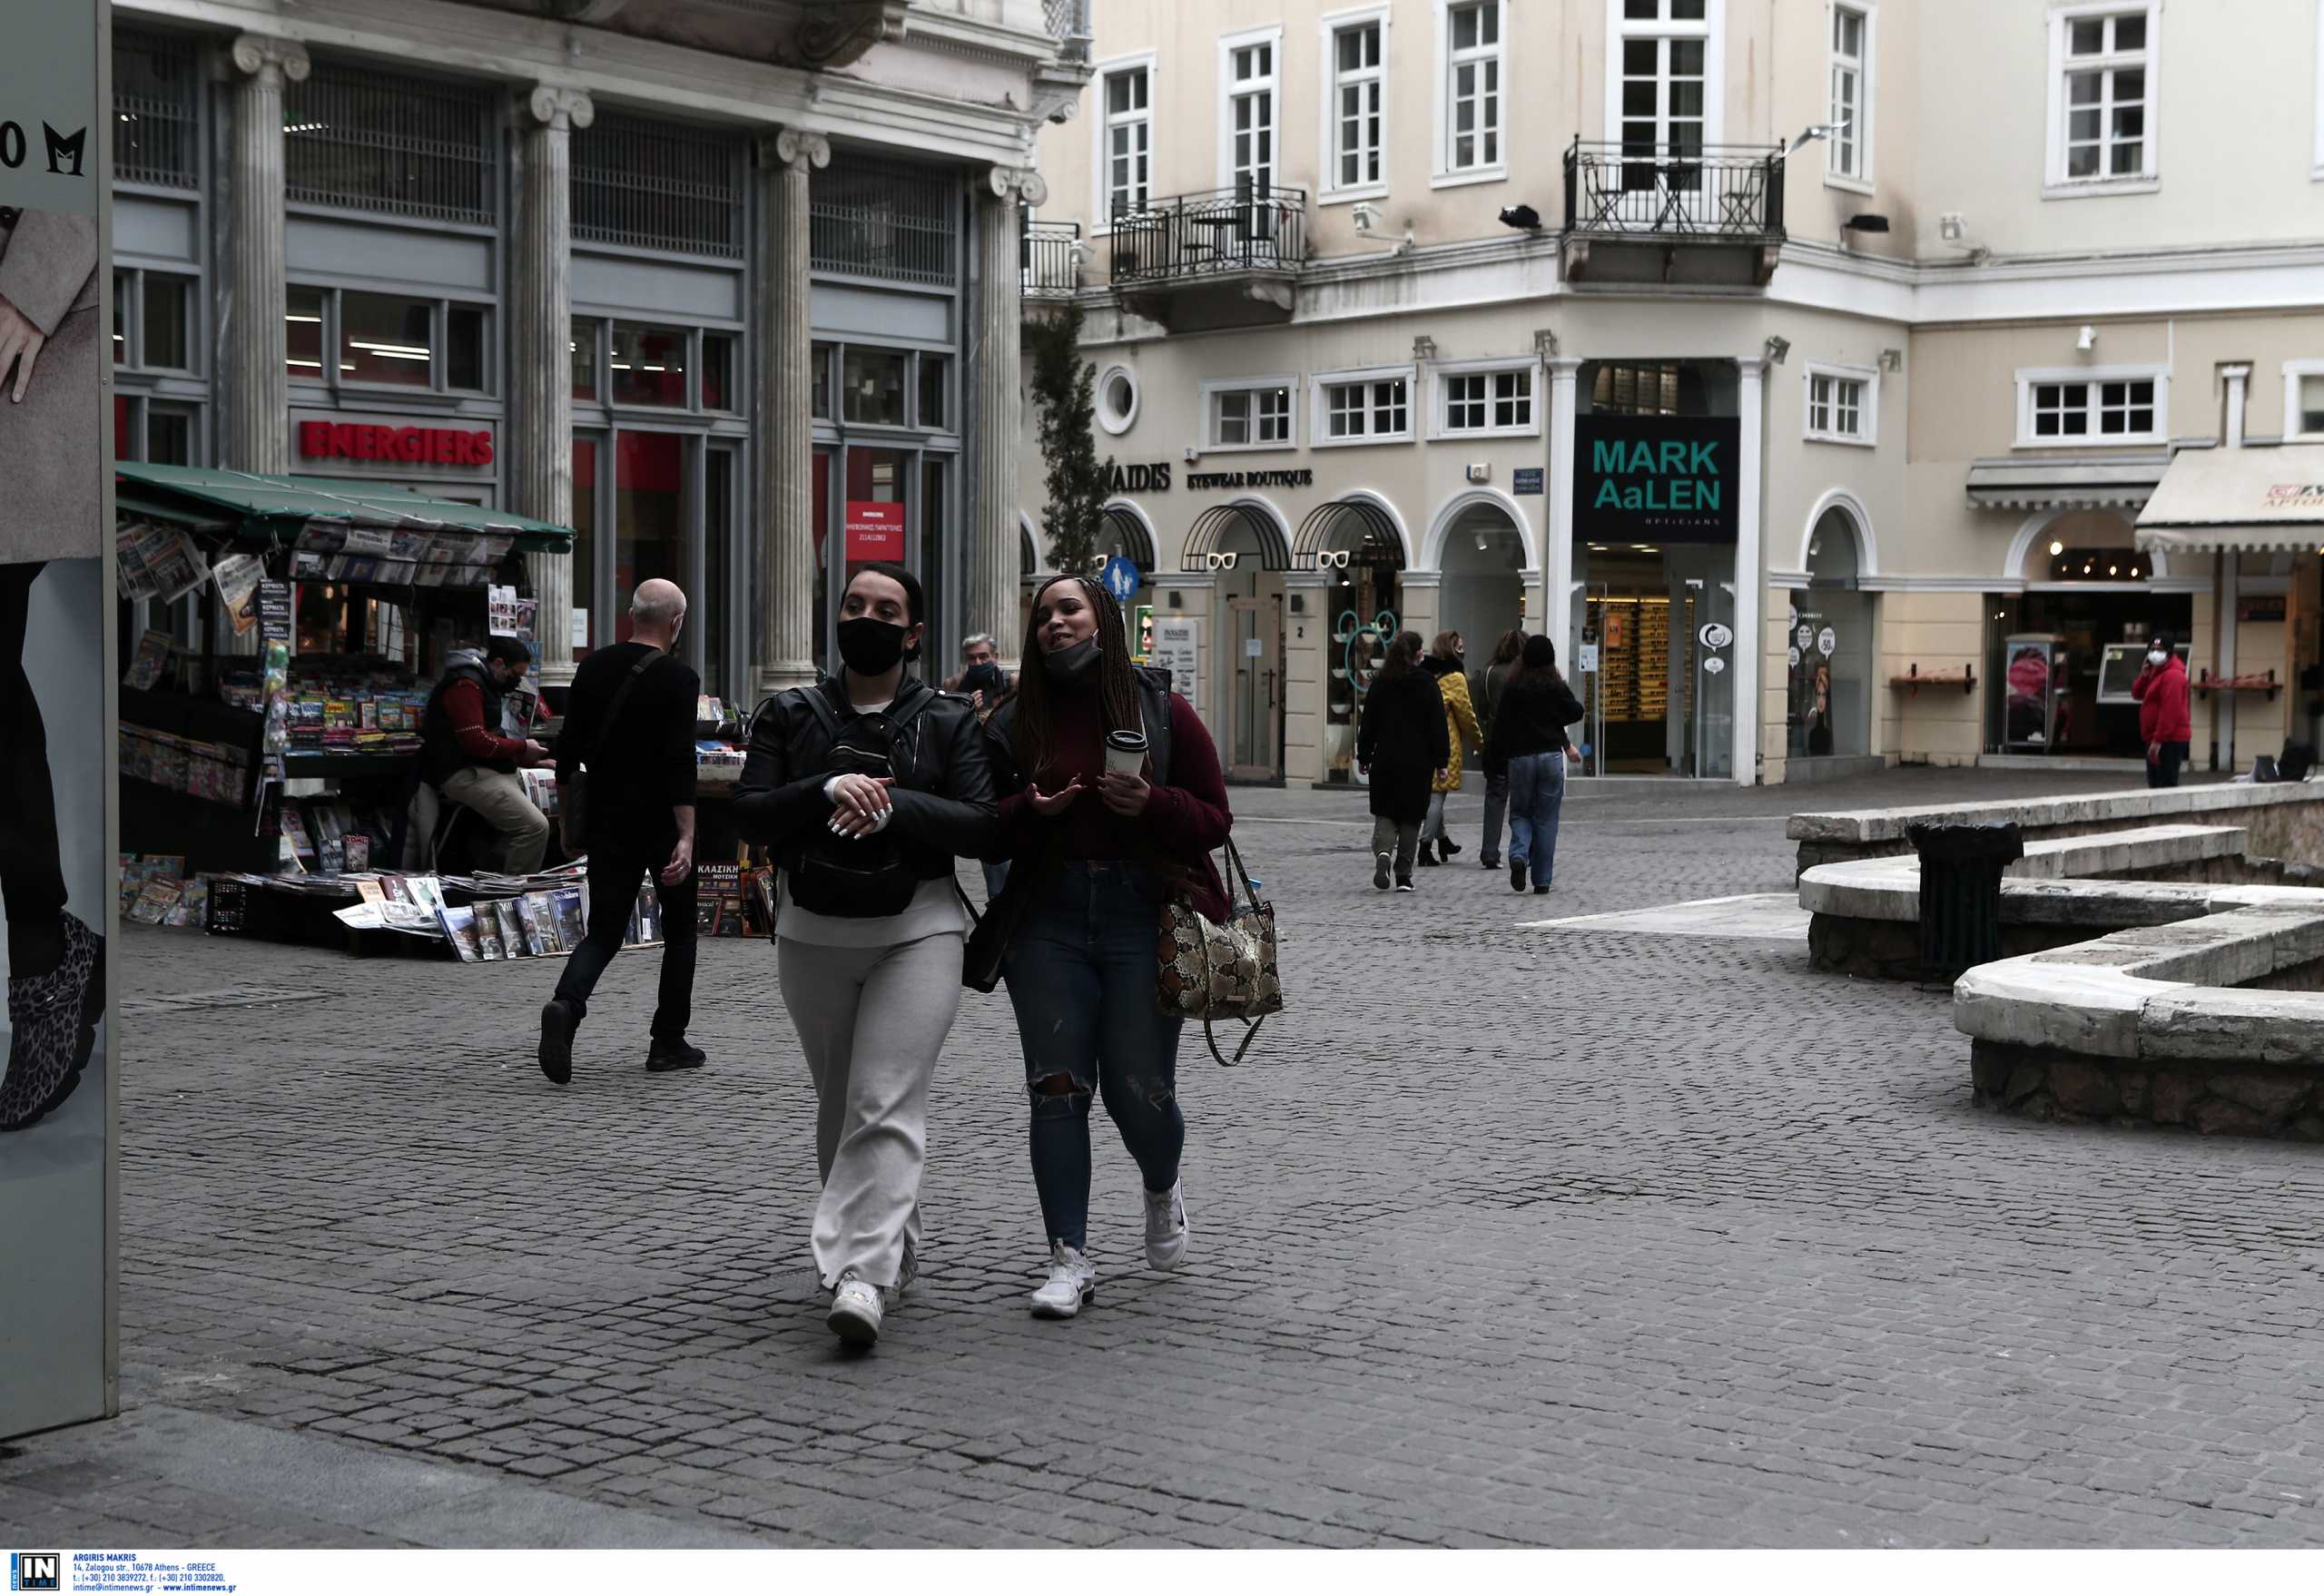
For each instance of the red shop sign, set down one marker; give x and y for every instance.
(417, 446)
(875, 530)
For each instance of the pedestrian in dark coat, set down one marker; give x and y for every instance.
(1404, 747)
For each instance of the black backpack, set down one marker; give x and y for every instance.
(857, 878)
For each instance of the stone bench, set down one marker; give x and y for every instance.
(2215, 1023)
(2284, 820)
(2067, 889)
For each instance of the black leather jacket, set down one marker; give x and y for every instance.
(944, 795)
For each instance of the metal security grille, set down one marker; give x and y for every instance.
(155, 91)
(373, 141)
(657, 186)
(878, 219)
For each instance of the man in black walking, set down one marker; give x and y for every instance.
(629, 722)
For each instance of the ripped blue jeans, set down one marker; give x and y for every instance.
(1080, 977)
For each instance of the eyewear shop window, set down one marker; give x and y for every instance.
(659, 497)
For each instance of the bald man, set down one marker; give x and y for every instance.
(629, 721)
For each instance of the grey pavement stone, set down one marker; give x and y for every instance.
(1561, 1236)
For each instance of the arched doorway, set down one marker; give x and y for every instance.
(1357, 544)
(1247, 546)
(2087, 599)
(1482, 557)
(1828, 705)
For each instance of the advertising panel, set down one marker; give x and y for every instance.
(1656, 478)
(55, 690)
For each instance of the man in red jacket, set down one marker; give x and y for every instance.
(466, 754)
(2163, 724)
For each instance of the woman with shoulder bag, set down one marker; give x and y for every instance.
(867, 786)
(1114, 801)
(1528, 746)
(1402, 745)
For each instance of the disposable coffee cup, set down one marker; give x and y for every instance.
(1125, 753)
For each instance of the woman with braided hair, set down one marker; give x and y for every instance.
(1095, 846)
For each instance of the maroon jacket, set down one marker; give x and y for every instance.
(464, 708)
(2162, 692)
(1186, 820)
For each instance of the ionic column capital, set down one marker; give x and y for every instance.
(272, 61)
(1027, 185)
(795, 148)
(561, 109)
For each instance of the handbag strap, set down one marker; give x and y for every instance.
(621, 696)
(1250, 892)
(1250, 1034)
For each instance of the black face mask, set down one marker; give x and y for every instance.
(1069, 665)
(982, 678)
(870, 647)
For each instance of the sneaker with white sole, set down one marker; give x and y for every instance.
(1166, 1227)
(1071, 1283)
(1379, 873)
(856, 1311)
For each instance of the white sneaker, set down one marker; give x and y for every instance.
(1166, 1227)
(1071, 1283)
(856, 1311)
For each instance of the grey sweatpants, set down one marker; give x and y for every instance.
(871, 1021)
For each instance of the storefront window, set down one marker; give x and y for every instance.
(168, 306)
(584, 542)
(819, 404)
(822, 521)
(385, 340)
(933, 370)
(464, 347)
(714, 602)
(718, 372)
(303, 331)
(649, 365)
(649, 511)
(584, 360)
(120, 281)
(873, 385)
(938, 649)
(169, 436)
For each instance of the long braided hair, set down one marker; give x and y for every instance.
(1034, 737)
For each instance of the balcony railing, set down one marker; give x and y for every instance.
(1048, 256)
(1711, 191)
(1068, 23)
(1224, 232)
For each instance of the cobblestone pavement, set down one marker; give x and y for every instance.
(1561, 1236)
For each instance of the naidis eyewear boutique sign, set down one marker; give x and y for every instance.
(1656, 478)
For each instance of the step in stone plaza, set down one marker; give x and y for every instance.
(1605, 1224)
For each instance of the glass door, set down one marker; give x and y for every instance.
(719, 606)
(1255, 693)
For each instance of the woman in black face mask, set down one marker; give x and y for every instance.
(1114, 797)
(867, 786)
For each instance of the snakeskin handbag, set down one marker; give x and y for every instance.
(1209, 972)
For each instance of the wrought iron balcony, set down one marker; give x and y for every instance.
(1048, 255)
(1250, 230)
(1670, 197)
(1068, 23)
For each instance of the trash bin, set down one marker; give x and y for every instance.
(1961, 870)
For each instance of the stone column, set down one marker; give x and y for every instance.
(540, 380)
(1557, 554)
(256, 386)
(994, 392)
(1750, 577)
(781, 350)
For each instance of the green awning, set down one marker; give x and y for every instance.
(275, 511)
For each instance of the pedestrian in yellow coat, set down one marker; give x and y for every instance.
(1445, 655)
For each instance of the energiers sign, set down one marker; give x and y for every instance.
(397, 444)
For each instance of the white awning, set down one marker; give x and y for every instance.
(2065, 482)
(2217, 500)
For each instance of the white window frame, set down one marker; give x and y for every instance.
(2029, 378)
(2056, 184)
(1711, 30)
(1443, 174)
(1116, 422)
(2293, 371)
(1860, 181)
(1438, 397)
(1329, 189)
(1867, 433)
(1101, 209)
(1319, 405)
(1228, 89)
(1213, 390)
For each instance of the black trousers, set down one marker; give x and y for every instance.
(32, 870)
(614, 874)
(2164, 772)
